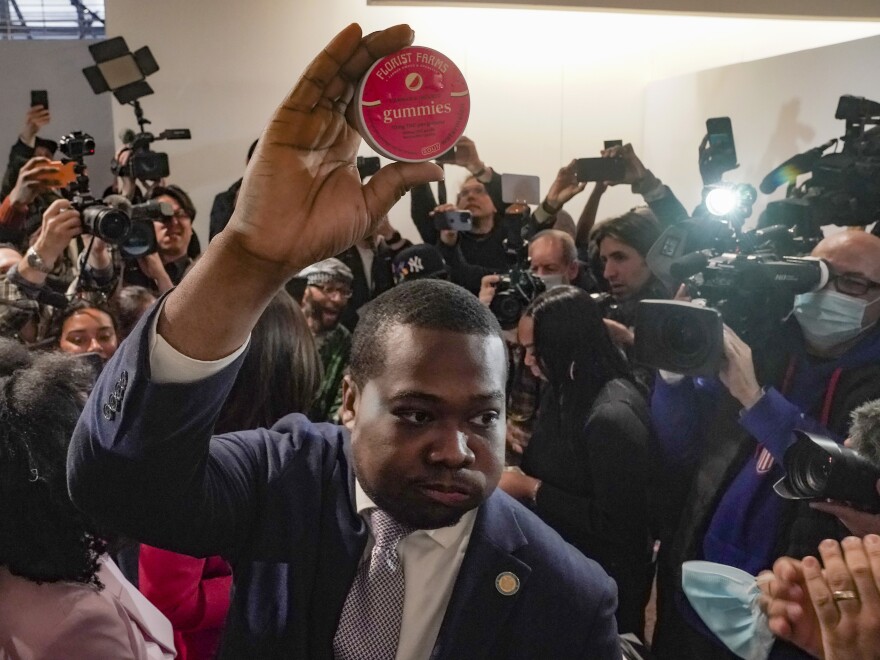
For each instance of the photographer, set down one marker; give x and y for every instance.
(164, 269)
(33, 288)
(34, 190)
(29, 145)
(480, 251)
(732, 434)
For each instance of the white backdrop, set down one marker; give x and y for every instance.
(546, 86)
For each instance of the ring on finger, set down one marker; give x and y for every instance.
(846, 594)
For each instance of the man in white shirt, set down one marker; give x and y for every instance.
(305, 511)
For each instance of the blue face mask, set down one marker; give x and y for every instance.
(829, 318)
(726, 599)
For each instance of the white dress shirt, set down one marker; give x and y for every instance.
(431, 558)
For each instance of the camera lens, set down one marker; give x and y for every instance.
(507, 309)
(809, 469)
(140, 240)
(106, 223)
(682, 338)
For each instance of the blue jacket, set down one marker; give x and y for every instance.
(279, 504)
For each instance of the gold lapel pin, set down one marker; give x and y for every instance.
(507, 583)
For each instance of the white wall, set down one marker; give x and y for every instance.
(546, 86)
(56, 67)
(779, 107)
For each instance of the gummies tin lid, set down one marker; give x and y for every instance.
(412, 105)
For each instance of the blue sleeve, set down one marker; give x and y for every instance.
(676, 414)
(143, 462)
(772, 420)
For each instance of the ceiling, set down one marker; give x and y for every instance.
(823, 9)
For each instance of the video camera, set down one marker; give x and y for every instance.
(98, 219)
(844, 188)
(741, 282)
(144, 164)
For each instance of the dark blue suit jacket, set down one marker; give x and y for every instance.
(279, 504)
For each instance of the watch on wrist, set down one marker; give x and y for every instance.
(35, 261)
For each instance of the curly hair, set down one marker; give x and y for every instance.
(43, 537)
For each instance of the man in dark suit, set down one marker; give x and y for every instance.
(303, 511)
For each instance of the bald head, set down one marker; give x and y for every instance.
(851, 252)
(553, 252)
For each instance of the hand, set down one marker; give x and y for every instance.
(850, 628)
(61, 224)
(151, 266)
(302, 199)
(790, 613)
(466, 155)
(447, 236)
(619, 333)
(857, 522)
(738, 372)
(34, 177)
(99, 254)
(517, 438)
(488, 284)
(683, 294)
(635, 170)
(564, 186)
(518, 485)
(34, 119)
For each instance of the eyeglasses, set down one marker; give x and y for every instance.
(852, 285)
(472, 190)
(331, 290)
(179, 214)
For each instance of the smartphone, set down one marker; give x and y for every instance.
(454, 220)
(40, 97)
(65, 175)
(520, 189)
(600, 169)
(720, 134)
(446, 157)
(613, 143)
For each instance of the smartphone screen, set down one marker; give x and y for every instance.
(40, 97)
(720, 134)
(600, 169)
(613, 143)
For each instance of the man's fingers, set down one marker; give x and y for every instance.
(820, 594)
(860, 569)
(374, 46)
(393, 181)
(312, 85)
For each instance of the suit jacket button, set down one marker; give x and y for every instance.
(119, 390)
(109, 413)
(124, 378)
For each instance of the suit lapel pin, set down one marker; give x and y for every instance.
(507, 583)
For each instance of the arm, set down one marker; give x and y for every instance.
(302, 200)
(23, 149)
(588, 216)
(422, 204)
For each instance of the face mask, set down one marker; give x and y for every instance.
(726, 599)
(829, 318)
(552, 281)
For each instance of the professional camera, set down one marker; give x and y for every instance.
(752, 293)
(98, 219)
(141, 239)
(817, 468)
(518, 287)
(144, 164)
(845, 186)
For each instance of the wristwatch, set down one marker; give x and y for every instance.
(36, 262)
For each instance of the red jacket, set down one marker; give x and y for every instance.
(194, 595)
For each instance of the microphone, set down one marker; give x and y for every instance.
(794, 166)
(864, 432)
(127, 136)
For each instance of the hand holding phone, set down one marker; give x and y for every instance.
(453, 221)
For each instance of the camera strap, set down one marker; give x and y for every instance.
(830, 389)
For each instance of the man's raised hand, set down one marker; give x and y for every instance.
(302, 199)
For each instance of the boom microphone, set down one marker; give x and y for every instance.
(793, 167)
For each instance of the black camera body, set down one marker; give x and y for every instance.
(145, 164)
(514, 292)
(817, 468)
(750, 293)
(98, 219)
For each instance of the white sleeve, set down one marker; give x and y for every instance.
(167, 365)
